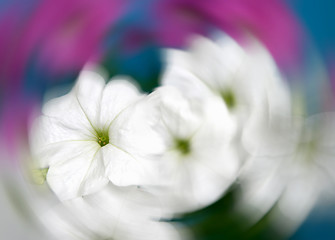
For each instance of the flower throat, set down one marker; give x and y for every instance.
(103, 138)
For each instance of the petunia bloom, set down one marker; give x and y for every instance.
(112, 213)
(290, 176)
(241, 81)
(199, 161)
(310, 169)
(86, 138)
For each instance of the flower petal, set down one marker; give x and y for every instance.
(113, 213)
(77, 169)
(125, 169)
(47, 131)
(117, 95)
(88, 93)
(214, 63)
(134, 130)
(180, 116)
(80, 108)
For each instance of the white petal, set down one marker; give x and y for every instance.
(259, 82)
(262, 183)
(270, 135)
(53, 130)
(58, 152)
(143, 230)
(322, 126)
(117, 95)
(80, 108)
(95, 176)
(121, 167)
(181, 117)
(196, 181)
(125, 169)
(113, 213)
(68, 113)
(76, 170)
(88, 93)
(134, 130)
(220, 158)
(209, 183)
(214, 64)
(217, 63)
(296, 203)
(188, 83)
(48, 131)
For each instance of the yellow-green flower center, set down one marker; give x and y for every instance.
(183, 146)
(229, 98)
(39, 175)
(102, 138)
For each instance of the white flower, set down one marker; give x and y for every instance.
(245, 80)
(295, 174)
(246, 83)
(93, 135)
(112, 213)
(199, 162)
(311, 169)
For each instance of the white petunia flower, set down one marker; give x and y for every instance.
(93, 135)
(246, 83)
(112, 213)
(199, 162)
(295, 175)
(311, 169)
(245, 80)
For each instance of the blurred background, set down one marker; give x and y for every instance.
(45, 44)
